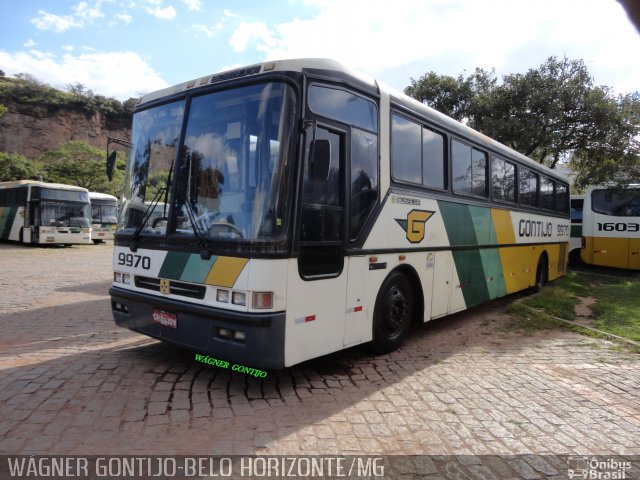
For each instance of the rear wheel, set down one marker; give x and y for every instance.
(542, 273)
(393, 313)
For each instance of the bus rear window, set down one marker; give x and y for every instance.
(623, 203)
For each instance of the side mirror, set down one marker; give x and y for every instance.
(320, 153)
(111, 162)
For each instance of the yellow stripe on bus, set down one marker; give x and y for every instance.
(510, 257)
(226, 271)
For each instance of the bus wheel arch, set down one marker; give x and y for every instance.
(398, 304)
(542, 272)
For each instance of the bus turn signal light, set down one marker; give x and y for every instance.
(262, 300)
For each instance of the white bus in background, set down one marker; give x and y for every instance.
(44, 213)
(611, 227)
(104, 216)
(575, 243)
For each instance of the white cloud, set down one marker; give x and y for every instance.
(118, 74)
(194, 5)
(166, 13)
(414, 37)
(124, 18)
(83, 10)
(29, 43)
(207, 30)
(68, 48)
(256, 32)
(213, 30)
(55, 23)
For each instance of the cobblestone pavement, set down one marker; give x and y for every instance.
(71, 382)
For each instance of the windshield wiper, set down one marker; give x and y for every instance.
(145, 218)
(204, 244)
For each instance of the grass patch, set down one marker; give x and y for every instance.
(528, 322)
(616, 311)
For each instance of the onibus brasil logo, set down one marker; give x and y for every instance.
(414, 224)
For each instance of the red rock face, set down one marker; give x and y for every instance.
(31, 131)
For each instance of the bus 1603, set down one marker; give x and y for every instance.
(44, 213)
(610, 233)
(309, 208)
(104, 213)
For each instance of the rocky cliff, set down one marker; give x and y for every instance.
(31, 130)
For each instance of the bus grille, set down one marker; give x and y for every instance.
(175, 288)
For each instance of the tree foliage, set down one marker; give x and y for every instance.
(553, 114)
(78, 163)
(25, 89)
(17, 167)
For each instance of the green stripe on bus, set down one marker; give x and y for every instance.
(7, 216)
(479, 271)
(485, 233)
(493, 272)
(173, 265)
(458, 223)
(472, 277)
(197, 269)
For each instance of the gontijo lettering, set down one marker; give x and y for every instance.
(533, 228)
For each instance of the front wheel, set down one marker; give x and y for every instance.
(393, 314)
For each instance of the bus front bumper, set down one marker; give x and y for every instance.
(204, 329)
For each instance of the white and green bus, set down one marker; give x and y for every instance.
(609, 220)
(44, 213)
(310, 208)
(104, 216)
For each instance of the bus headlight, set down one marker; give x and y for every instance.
(126, 279)
(117, 277)
(239, 298)
(222, 296)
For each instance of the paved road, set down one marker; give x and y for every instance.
(71, 382)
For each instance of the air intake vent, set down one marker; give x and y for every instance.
(175, 288)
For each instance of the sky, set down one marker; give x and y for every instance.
(125, 48)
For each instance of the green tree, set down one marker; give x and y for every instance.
(17, 167)
(553, 114)
(78, 163)
(3, 109)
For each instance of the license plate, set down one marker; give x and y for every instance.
(165, 319)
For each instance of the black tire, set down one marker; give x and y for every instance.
(542, 273)
(393, 314)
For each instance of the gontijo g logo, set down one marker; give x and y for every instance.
(414, 224)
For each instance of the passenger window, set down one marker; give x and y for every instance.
(469, 169)
(528, 188)
(503, 180)
(406, 150)
(562, 198)
(546, 193)
(433, 171)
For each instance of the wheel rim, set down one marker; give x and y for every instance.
(396, 312)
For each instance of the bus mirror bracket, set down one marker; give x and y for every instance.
(111, 157)
(111, 162)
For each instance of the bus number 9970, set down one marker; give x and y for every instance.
(131, 260)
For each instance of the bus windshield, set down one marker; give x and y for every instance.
(55, 214)
(232, 174)
(103, 213)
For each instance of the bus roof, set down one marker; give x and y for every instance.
(399, 98)
(101, 196)
(36, 183)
